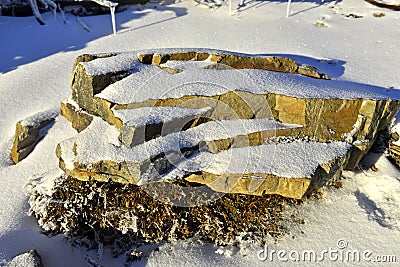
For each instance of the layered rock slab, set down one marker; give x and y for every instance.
(247, 165)
(78, 118)
(236, 87)
(93, 73)
(287, 169)
(97, 153)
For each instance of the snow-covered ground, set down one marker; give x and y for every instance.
(35, 67)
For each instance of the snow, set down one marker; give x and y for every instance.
(35, 67)
(111, 64)
(383, 195)
(36, 119)
(106, 3)
(100, 136)
(185, 65)
(389, 2)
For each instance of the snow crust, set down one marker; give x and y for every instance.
(183, 65)
(37, 118)
(113, 63)
(26, 260)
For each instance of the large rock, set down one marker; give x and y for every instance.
(328, 110)
(177, 143)
(148, 87)
(29, 132)
(234, 61)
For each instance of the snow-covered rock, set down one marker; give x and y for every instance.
(191, 127)
(103, 157)
(29, 131)
(236, 86)
(27, 259)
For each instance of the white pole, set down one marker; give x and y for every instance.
(230, 7)
(288, 8)
(112, 9)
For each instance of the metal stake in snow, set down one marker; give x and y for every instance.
(288, 8)
(112, 6)
(112, 9)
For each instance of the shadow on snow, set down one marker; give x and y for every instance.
(55, 36)
(252, 4)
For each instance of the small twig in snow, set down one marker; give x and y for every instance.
(83, 24)
(36, 12)
(62, 14)
(361, 169)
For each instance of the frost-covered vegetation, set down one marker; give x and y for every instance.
(122, 217)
